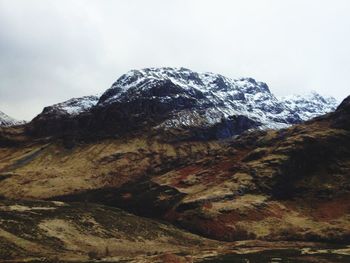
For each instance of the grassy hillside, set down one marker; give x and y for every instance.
(36, 229)
(287, 185)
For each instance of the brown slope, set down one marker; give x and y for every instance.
(37, 231)
(291, 184)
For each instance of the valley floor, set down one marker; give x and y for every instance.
(41, 231)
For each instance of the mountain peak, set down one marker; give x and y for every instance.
(212, 97)
(185, 79)
(207, 104)
(310, 105)
(345, 105)
(6, 121)
(72, 106)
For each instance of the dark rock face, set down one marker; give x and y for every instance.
(234, 125)
(345, 105)
(68, 117)
(341, 117)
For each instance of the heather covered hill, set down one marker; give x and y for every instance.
(38, 231)
(288, 184)
(61, 232)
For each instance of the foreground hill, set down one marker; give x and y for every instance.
(76, 232)
(38, 231)
(290, 184)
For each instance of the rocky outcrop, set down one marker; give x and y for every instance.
(62, 118)
(341, 117)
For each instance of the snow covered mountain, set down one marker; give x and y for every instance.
(205, 99)
(7, 121)
(310, 105)
(206, 104)
(69, 108)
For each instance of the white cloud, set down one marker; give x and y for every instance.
(54, 50)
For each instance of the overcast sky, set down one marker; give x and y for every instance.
(51, 51)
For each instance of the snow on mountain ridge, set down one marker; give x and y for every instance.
(216, 97)
(182, 77)
(181, 98)
(310, 105)
(7, 121)
(72, 107)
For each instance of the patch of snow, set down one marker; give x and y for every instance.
(72, 107)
